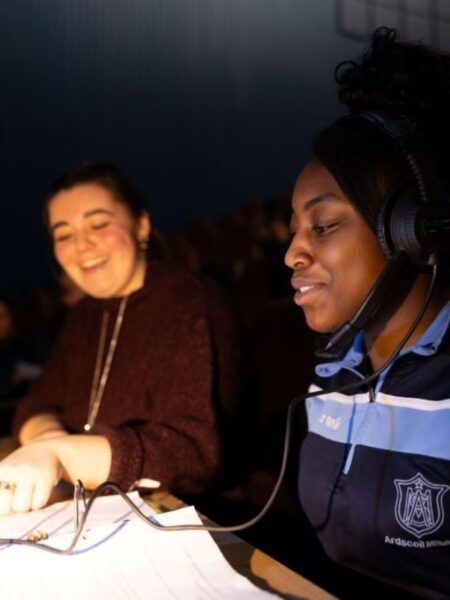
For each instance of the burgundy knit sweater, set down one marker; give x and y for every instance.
(177, 365)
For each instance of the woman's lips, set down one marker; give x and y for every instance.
(93, 263)
(305, 291)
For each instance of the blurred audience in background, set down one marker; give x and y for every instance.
(243, 250)
(24, 346)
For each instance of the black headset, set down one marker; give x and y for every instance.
(413, 223)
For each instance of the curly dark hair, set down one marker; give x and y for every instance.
(405, 79)
(402, 78)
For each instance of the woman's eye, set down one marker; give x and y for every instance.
(323, 229)
(62, 237)
(101, 225)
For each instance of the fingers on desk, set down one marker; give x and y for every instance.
(7, 491)
(23, 496)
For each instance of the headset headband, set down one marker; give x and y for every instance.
(413, 145)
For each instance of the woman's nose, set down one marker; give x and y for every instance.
(83, 240)
(298, 254)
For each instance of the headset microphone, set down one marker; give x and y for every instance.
(413, 223)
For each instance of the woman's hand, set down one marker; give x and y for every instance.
(30, 474)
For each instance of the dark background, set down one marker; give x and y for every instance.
(205, 103)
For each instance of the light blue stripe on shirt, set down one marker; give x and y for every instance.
(395, 424)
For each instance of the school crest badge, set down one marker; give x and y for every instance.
(419, 505)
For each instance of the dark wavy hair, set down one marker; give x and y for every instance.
(105, 174)
(406, 79)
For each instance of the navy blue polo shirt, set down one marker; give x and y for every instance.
(374, 474)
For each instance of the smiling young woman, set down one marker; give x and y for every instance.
(148, 373)
(374, 473)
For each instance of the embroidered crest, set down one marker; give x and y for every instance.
(419, 505)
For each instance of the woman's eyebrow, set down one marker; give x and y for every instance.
(317, 199)
(96, 211)
(87, 214)
(58, 224)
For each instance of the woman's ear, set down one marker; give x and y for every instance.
(143, 229)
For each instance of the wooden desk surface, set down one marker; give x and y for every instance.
(265, 572)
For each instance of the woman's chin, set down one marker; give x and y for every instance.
(96, 291)
(321, 326)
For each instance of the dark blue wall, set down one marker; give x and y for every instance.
(206, 103)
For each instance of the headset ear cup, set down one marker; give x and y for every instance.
(397, 223)
(383, 226)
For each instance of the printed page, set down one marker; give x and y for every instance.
(124, 559)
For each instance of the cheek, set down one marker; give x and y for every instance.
(373, 261)
(62, 254)
(363, 265)
(354, 265)
(119, 240)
